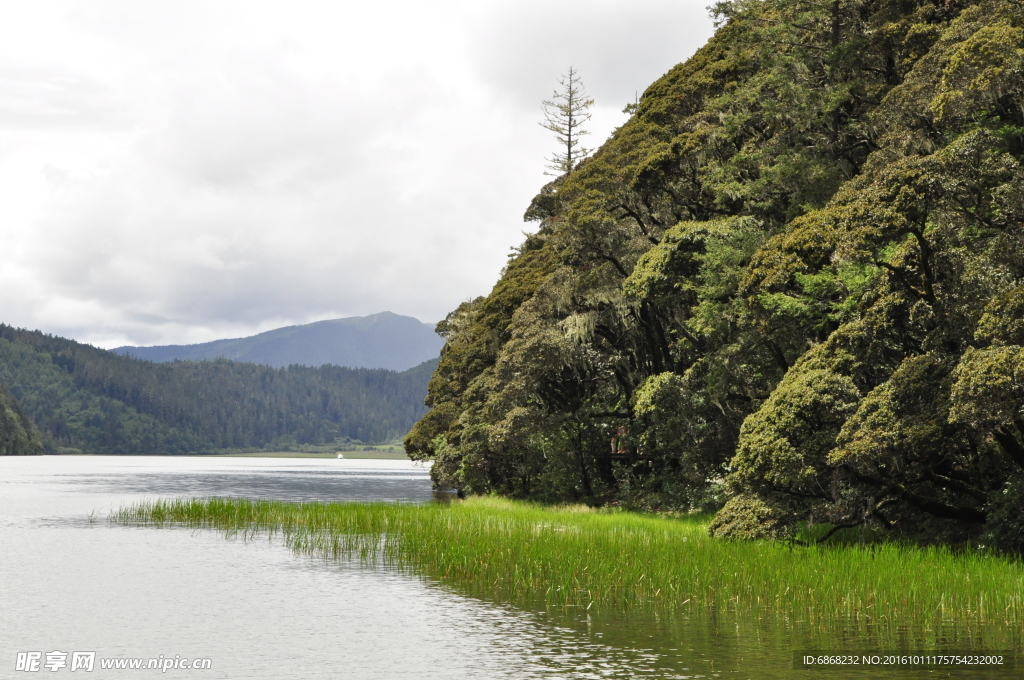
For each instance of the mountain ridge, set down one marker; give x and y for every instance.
(384, 340)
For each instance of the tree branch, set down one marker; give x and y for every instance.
(902, 276)
(618, 266)
(835, 528)
(780, 358)
(940, 509)
(1010, 445)
(955, 485)
(639, 220)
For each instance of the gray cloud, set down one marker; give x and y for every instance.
(184, 171)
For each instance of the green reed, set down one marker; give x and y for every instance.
(572, 557)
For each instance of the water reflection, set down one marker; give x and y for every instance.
(347, 484)
(743, 646)
(280, 479)
(260, 611)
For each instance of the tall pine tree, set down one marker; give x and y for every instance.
(564, 114)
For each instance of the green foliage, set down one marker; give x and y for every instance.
(1002, 323)
(89, 400)
(795, 273)
(989, 388)
(18, 435)
(751, 518)
(785, 444)
(983, 69)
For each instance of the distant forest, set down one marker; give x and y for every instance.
(72, 397)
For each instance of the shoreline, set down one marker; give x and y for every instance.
(574, 556)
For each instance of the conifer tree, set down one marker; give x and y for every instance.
(564, 114)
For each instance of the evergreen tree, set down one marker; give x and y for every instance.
(564, 114)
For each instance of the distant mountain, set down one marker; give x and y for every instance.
(87, 400)
(384, 340)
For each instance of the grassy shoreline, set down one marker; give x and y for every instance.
(572, 557)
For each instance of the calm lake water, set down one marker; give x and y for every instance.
(72, 582)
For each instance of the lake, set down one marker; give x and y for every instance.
(70, 581)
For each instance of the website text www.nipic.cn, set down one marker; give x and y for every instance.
(34, 662)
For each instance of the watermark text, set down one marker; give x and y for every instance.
(36, 662)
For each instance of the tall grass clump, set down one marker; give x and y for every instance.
(515, 551)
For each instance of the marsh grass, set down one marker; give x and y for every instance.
(565, 557)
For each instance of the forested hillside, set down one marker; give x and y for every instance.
(18, 436)
(790, 287)
(87, 399)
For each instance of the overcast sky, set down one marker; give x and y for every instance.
(176, 172)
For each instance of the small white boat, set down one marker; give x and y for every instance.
(340, 456)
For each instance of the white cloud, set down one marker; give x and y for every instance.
(176, 172)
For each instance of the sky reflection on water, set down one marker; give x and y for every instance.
(70, 581)
(253, 607)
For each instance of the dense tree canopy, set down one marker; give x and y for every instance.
(87, 399)
(790, 286)
(18, 435)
